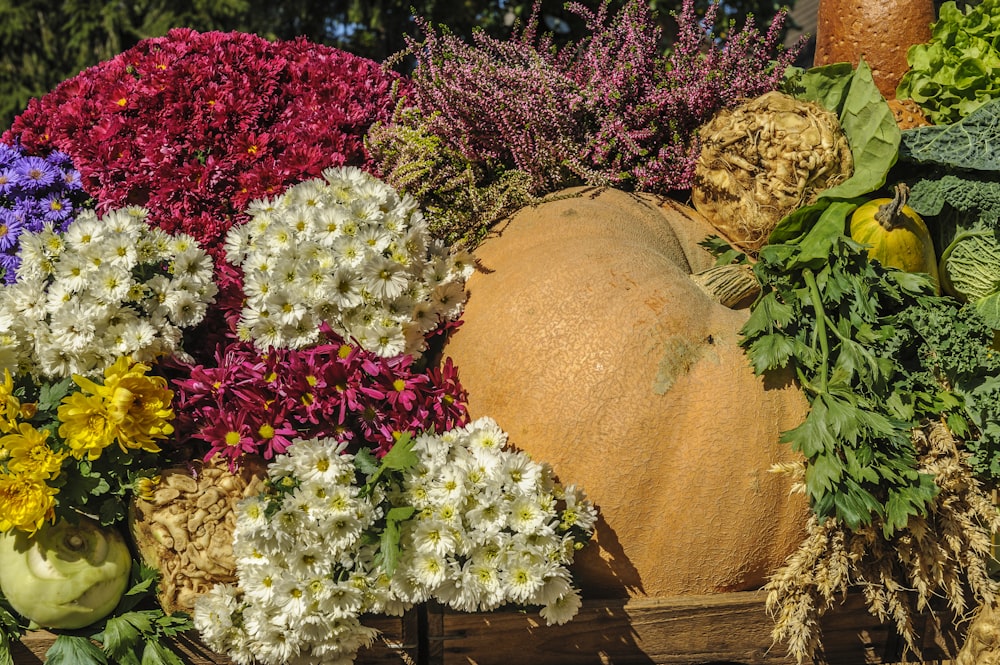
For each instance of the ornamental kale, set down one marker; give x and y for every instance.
(193, 126)
(34, 192)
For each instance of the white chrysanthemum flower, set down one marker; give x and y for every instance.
(526, 516)
(74, 272)
(113, 287)
(311, 555)
(428, 569)
(359, 250)
(85, 232)
(383, 278)
(433, 536)
(213, 615)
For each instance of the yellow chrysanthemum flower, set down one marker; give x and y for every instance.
(10, 406)
(85, 425)
(25, 502)
(139, 405)
(131, 408)
(29, 453)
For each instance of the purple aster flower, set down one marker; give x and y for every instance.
(56, 207)
(59, 159)
(71, 179)
(31, 212)
(11, 226)
(8, 155)
(34, 173)
(7, 180)
(8, 265)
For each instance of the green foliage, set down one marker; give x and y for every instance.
(461, 199)
(74, 650)
(876, 352)
(834, 322)
(958, 70)
(952, 172)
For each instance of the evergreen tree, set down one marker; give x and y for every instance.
(43, 42)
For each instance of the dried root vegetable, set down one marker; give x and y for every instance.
(982, 644)
(943, 555)
(763, 159)
(184, 527)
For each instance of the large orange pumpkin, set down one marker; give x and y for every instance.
(588, 342)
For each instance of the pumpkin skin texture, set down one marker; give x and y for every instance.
(588, 342)
(879, 31)
(897, 235)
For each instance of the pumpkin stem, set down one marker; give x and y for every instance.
(890, 215)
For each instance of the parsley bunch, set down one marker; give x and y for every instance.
(877, 354)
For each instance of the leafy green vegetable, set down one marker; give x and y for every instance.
(871, 347)
(74, 650)
(954, 173)
(970, 270)
(965, 144)
(958, 70)
(836, 324)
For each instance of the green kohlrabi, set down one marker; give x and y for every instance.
(65, 575)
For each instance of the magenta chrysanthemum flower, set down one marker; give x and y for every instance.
(193, 125)
(333, 390)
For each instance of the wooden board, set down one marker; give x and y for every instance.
(731, 628)
(723, 628)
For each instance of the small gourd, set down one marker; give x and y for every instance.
(897, 236)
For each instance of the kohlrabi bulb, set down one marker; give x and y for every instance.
(65, 575)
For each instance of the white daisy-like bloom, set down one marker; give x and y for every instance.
(85, 232)
(563, 608)
(73, 272)
(362, 251)
(310, 552)
(114, 285)
(214, 615)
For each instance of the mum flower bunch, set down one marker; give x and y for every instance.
(193, 126)
(454, 517)
(78, 446)
(105, 288)
(34, 192)
(253, 402)
(347, 251)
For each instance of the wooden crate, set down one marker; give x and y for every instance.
(731, 628)
(722, 628)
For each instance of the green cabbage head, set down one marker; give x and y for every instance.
(66, 575)
(970, 271)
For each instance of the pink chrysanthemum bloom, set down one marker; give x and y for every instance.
(251, 402)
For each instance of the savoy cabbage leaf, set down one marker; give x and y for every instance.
(957, 174)
(972, 143)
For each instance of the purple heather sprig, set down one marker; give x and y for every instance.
(609, 110)
(34, 191)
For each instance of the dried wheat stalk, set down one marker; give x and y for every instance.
(941, 555)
